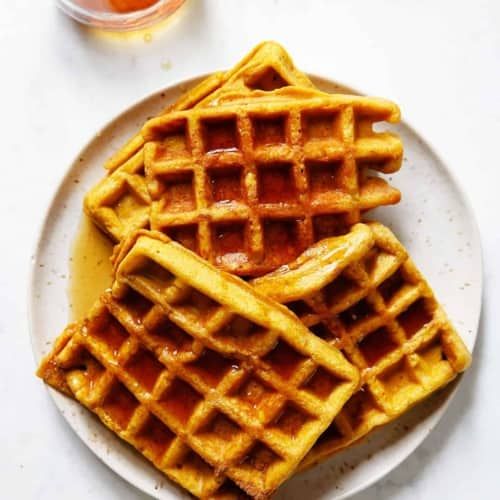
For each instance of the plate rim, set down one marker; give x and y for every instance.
(116, 466)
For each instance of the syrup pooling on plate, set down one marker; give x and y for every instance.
(90, 267)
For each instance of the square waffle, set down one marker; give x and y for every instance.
(363, 294)
(119, 203)
(250, 185)
(206, 377)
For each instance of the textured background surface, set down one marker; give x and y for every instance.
(61, 82)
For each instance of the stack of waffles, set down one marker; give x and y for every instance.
(255, 325)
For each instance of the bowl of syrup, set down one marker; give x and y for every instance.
(119, 15)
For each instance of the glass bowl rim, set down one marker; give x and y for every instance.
(115, 20)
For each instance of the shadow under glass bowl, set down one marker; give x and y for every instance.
(116, 21)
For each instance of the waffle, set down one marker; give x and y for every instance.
(119, 203)
(363, 294)
(206, 377)
(251, 184)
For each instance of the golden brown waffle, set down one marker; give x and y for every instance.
(203, 375)
(73, 369)
(249, 186)
(119, 203)
(363, 294)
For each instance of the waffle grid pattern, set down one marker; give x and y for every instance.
(380, 312)
(92, 375)
(252, 413)
(266, 67)
(251, 187)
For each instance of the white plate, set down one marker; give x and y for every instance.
(434, 221)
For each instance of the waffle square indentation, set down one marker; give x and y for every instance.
(281, 240)
(120, 404)
(193, 465)
(320, 126)
(284, 360)
(85, 362)
(180, 400)
(107, 329)
(291, 420)
(261, 457)
(270, 130)
(155, 437)
(145, 368)
(174, 144)
(127, 204)
(221, 435)
(397, 378)
(220, 135)
(357, 313)
(198, 306)
(391, 286)
(377, 345)
(276, 183)
(340, 289)
(136, 304)
(212, 367)
(225, 184)
(170, 337)
(415, 317)
(258, 397)
(178, 192)
(321, 384)
(324, 179)
(432, 352)
(228, 241)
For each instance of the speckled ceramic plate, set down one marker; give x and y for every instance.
(434, 221)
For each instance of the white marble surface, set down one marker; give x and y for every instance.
(61, 82)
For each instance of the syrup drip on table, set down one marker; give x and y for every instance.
(90, 268)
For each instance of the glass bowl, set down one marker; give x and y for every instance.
(116, 21)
